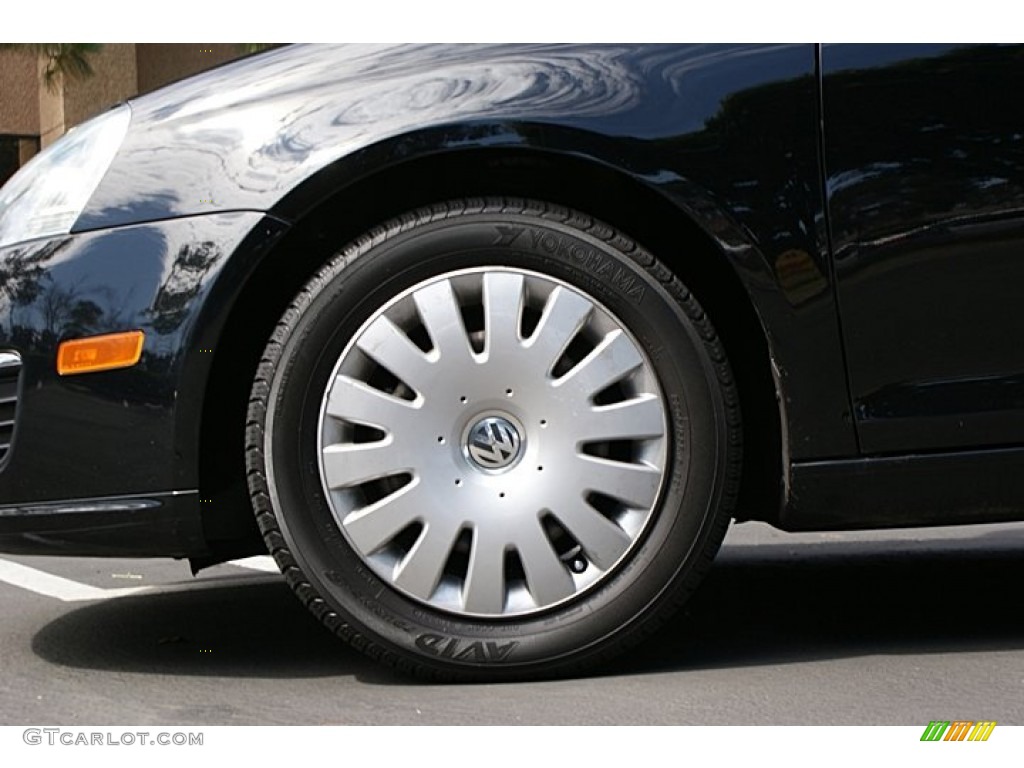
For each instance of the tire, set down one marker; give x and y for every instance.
(467, 498)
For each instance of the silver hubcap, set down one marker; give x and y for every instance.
(492, 442)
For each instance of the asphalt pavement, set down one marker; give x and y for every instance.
(886, 628)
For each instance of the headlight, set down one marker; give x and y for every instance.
(45, 197)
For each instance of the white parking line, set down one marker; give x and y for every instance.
(263, 563)
(47, 584)
(69, 591)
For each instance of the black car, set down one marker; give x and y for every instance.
(487, 345)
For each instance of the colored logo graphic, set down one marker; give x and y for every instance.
(958, 730)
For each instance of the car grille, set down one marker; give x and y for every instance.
(10, 372)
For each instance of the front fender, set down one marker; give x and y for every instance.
(728, 134)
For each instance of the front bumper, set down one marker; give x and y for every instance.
(107, 462)
(161, 524)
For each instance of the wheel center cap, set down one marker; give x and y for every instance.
(493, 443)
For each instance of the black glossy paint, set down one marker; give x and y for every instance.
(119, 432)
(925, 159)
(159, 524)
(906, 491)
(919, 156)
(727, 134)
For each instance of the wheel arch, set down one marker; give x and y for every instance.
(709, 257)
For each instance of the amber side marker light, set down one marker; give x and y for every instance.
(99, 353)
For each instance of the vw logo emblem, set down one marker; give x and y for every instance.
(493, 443)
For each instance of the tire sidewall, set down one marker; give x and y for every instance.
(372, 272)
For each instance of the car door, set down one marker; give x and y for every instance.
(924, 166)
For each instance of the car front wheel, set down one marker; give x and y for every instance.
(493, 438)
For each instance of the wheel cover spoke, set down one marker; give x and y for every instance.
(345, 466)
(484, 592)
(359, 403)
(633, 484)
(503, 295)
(375, 525)
(602, 540)
(420, 570)
(564, 314)
(547, 578)
(439, 310)
(493, 442)
(392, 349)
(641, 417)
(613, 358)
